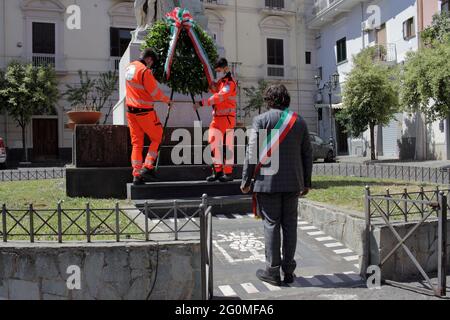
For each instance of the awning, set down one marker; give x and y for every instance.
(327, 106)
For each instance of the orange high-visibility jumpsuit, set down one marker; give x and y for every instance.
(223, 123)
(142, 90)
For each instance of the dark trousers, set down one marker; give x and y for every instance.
(279, 210)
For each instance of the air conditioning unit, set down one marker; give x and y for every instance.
(367, 26)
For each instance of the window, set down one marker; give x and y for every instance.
(409, 29)
(341, 50)
(275, 57)
(275, 54)
(320, 72)
(120, 39)
(44, 38)
(275, 4)
(43, 43)
(308, 57)
(445, 5)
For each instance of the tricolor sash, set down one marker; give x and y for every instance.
(178, 20)
(272, 143)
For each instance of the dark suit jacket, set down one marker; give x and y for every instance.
(295, 157)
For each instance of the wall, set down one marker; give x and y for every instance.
(108, 271)
(348, 227)
(423, 245)
(348, 24)
(87, 49)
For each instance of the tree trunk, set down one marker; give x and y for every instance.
(24, 147)
(372, 141)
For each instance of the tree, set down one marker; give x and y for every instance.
(187, 74)
(439, 31)
(369, 96)
(28, 91)
(92, 94)
(255, 97)
(426, 74)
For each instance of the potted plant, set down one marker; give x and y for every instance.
(88, 99)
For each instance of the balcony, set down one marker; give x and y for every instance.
(115, 63)
(386, 53)
(324, 11)
(278, 7)
(277, 72)
(214, 4)
(52, 60)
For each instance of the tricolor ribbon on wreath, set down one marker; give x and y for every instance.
(180, 19)
(272, 143)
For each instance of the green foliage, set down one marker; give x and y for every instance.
(439, 31)
(255, 97)
(28, 91)
(369, 95)
(187, 74)
(92, 94)
(426, 82)
(2, 86)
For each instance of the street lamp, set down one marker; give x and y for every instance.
(331, 85)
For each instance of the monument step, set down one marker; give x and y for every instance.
(190, 154)
(238, 204)
(182, 189)
(105, 183)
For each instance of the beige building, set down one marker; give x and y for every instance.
(265, 39)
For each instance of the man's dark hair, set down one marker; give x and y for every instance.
(149, 53)
(277, 97)
(221, 63)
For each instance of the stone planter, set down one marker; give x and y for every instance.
(83, 117)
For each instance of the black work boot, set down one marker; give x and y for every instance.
(215, 176)
(263, 275)
(138, 181)
(148, 175)
(226, 178)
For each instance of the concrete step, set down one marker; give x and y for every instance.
(105, 183)
(182, 190)
(190, 154)
(238, 204)
(190, 173)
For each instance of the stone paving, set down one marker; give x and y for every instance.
(327, 270)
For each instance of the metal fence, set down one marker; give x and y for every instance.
(32, 174)
(417, 207)
(396, 172)
(91, 224)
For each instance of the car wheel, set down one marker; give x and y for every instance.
(330, 157)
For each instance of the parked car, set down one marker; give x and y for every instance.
(2, 154)
(321, 149)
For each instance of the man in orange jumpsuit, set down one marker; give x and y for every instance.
(224, 121)
(142, 92)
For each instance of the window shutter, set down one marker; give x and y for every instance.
(115, 42)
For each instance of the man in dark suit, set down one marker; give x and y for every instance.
(277, 191)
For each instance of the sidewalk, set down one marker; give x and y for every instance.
(396, 162)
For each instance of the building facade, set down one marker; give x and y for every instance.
(264, 39)
(342, 29)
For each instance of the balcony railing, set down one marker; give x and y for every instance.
(386, 52)
(115, 63)
(276, 71)
(275, 4)
(214, 2)
(39, 59)
(320, 5)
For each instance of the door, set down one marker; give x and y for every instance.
(390, 135)
(341, 139)
(45, 139)
(382, 35)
